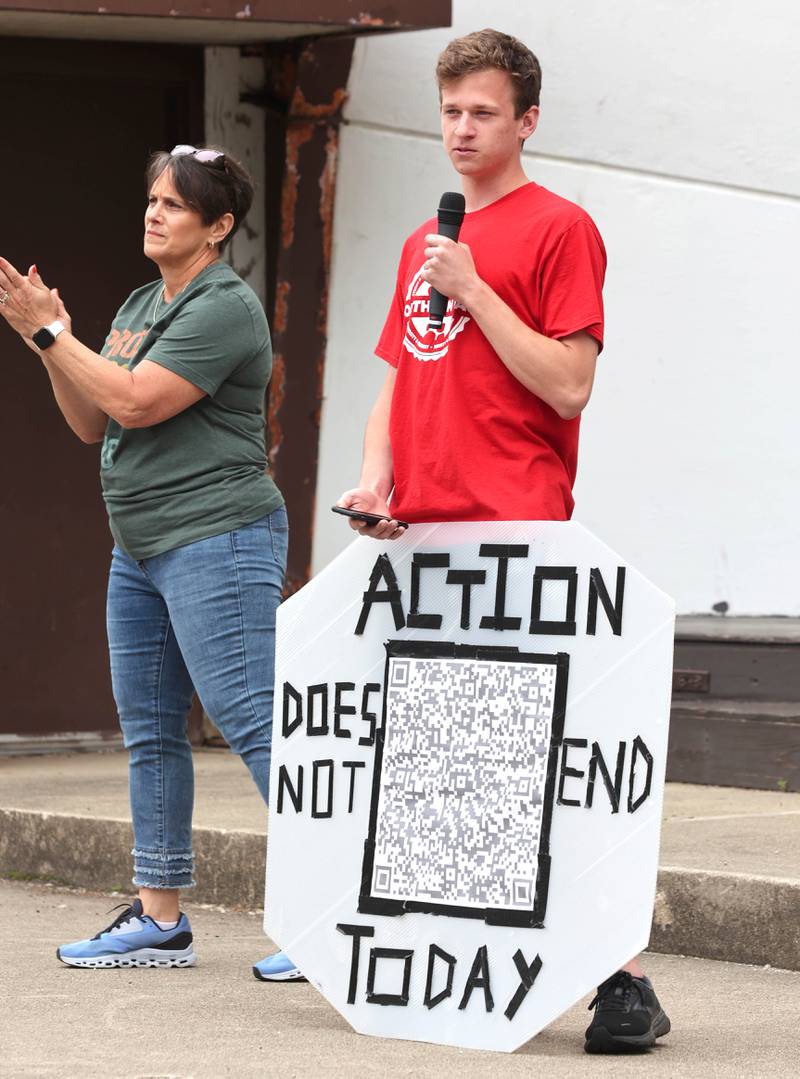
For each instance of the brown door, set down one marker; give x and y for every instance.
(79, 119)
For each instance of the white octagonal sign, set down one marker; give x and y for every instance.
(468, 761)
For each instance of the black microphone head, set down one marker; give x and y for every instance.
(451, 211)
(452, 200)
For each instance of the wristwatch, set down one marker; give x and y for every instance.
(46, 336)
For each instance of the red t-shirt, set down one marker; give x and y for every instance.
(469, 442)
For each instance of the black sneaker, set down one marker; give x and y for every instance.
(627, 1017)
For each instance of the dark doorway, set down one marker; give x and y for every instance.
(79, 121)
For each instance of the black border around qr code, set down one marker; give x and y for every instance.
(533, 918)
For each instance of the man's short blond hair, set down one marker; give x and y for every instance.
(486, 49)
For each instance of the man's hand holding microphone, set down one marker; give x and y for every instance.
(450, 271)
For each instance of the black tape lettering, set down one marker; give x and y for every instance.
(613, 611)
(399, 1000)
(352, 765)
(566, 627)
(284, 783)
(290, 695)
(316, 768)
(434, 953)
(367, 716)
(321, 691)
(340, 709)
(466, 578)
(527, 976)
(479, 979)
(356, 932)
(419, 562)
(502, 552)
(382, 571)
(614, 790)
(576, 773)
(639, 749)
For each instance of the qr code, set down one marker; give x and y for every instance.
(459, 810)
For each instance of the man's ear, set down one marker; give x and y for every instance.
(528, 122)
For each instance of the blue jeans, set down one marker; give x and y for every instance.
(200, 617)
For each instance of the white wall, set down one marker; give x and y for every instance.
(675, 125)
(239, 128)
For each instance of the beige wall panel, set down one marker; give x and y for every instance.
(708, 90)
(686, 465)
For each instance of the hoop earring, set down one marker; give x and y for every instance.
(211, 243)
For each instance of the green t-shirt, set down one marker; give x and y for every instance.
(202, 472)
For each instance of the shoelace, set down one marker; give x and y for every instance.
(615, 992)
(127, 913)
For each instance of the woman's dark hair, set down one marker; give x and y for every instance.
(212, 188)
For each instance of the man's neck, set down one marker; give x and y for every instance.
(480, 191)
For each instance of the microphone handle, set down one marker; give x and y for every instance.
(437, 303)
(449, 230)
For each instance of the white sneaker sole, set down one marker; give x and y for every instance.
(144, 957)
(293, 975)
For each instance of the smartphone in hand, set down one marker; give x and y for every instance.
(368, 518)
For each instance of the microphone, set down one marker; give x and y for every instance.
(450, 215)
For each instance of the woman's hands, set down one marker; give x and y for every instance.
(63, 315)
(25, 302)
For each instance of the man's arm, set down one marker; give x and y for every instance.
(377, 471)
(560, 372)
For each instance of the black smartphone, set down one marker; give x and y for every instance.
(367, 518)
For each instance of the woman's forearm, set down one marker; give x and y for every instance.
(86, 419)
(148, 395)
(106, 386)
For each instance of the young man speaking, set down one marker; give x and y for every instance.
(479, 421)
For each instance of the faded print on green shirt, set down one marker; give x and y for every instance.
(202, 472)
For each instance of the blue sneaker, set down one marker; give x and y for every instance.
(277, 968)
(133, 940)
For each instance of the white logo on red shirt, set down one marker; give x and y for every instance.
(421, 342)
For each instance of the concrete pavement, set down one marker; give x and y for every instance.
(729, 884)
(216, 1021)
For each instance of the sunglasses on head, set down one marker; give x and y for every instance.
(206, 156)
